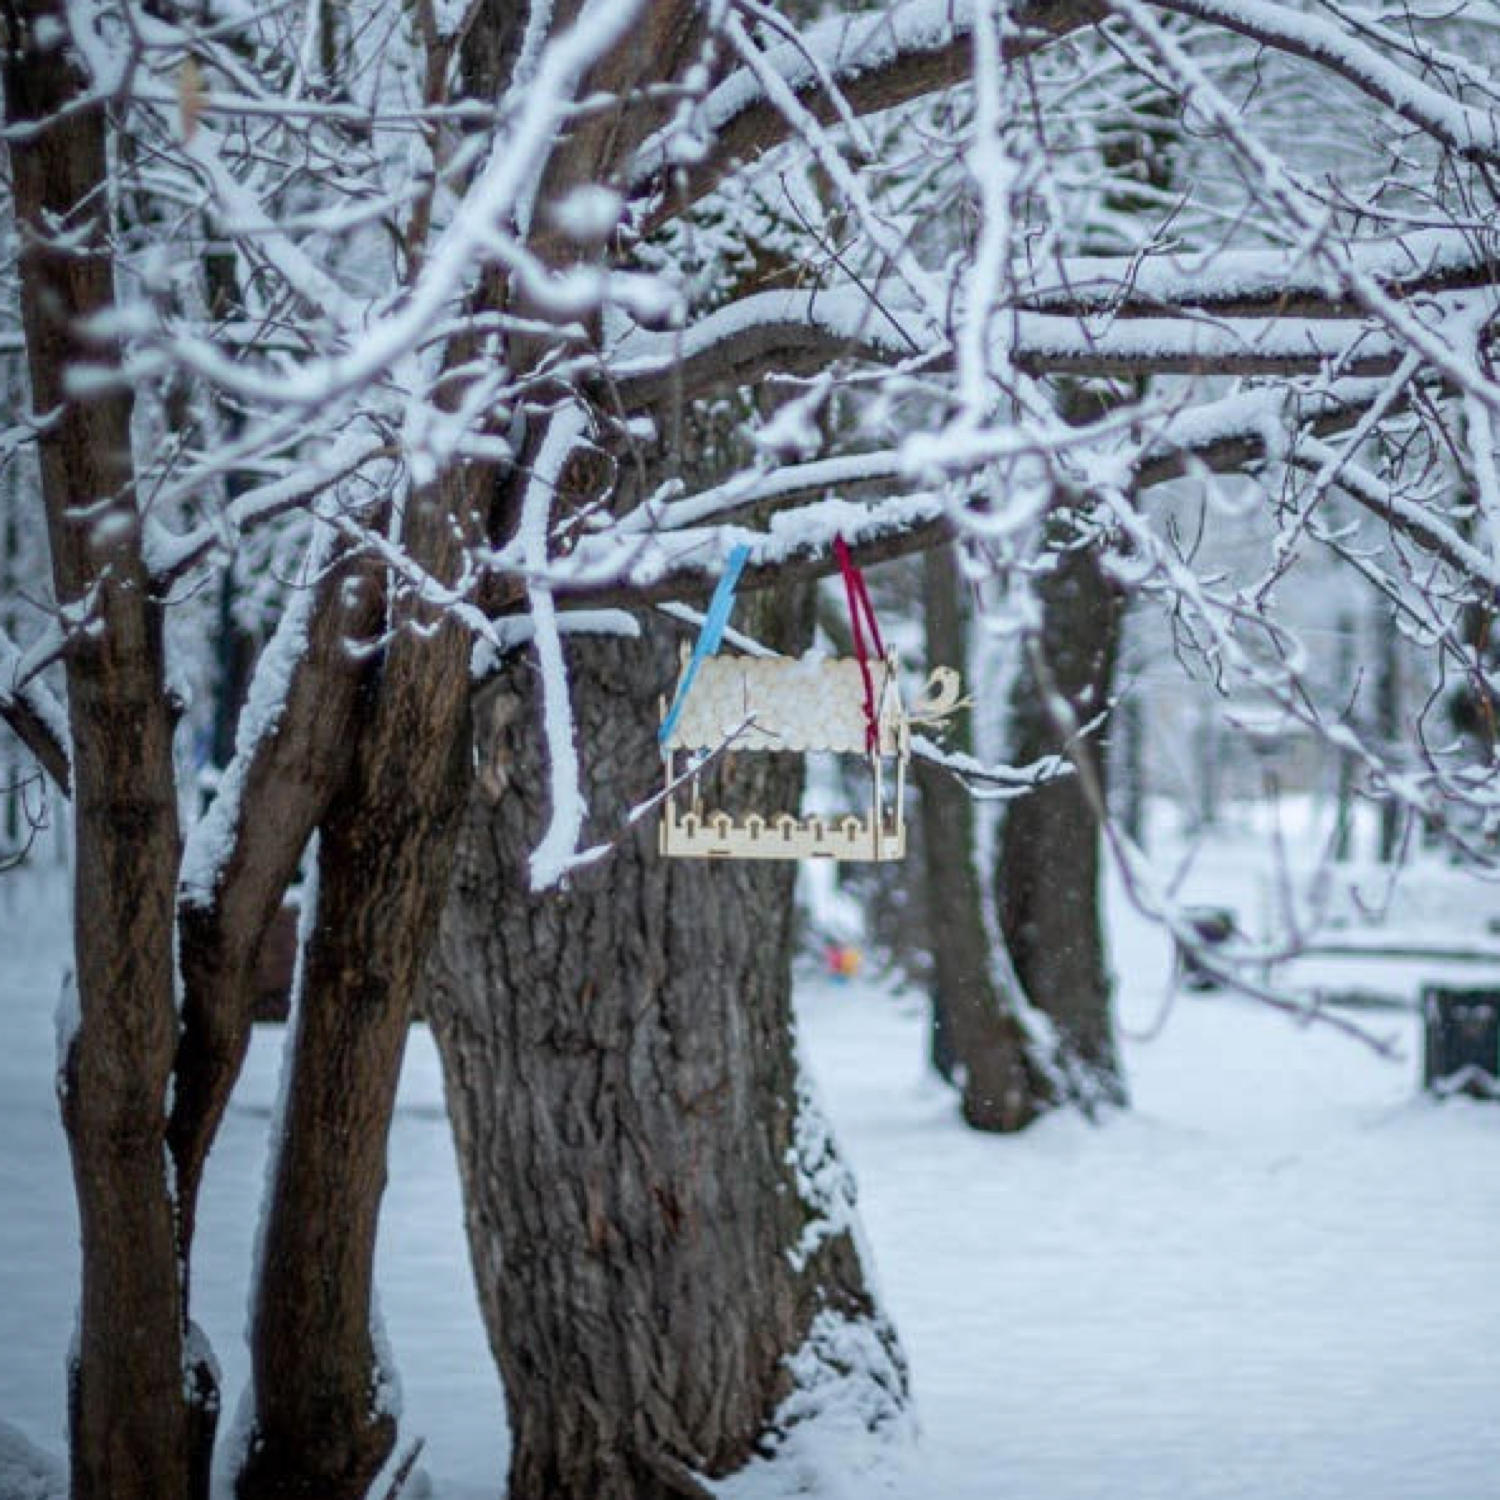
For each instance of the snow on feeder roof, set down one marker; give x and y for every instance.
(841, 706)
(779, 703)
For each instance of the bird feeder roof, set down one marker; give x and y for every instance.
(791, 703)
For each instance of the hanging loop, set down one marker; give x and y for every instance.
(709, 635)
(862, 616)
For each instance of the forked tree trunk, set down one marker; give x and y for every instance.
(657, 1215)
(1003, 1088)
(321, 1428)
(289, 773)
(129, 1413)
(1047, 869)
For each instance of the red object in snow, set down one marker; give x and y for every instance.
(842, 960)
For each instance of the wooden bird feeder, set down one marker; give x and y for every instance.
(800, 705)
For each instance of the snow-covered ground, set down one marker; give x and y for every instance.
(1276, 1278)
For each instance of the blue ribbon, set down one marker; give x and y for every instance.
(709, 636)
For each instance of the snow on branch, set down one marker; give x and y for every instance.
(916, 284)
(754, 487)
(1426, 526)
(1257, 281)
(362, 350)
(1472, 133)
(552, 857)
(797, 332)
(1443, 343)
(884, 58)
(212, 840)
(992, 782)
(672, 566)
(875, 60)
(34, 715)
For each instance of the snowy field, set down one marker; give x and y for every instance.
(1276, 1278)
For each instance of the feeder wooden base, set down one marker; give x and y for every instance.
(718, 836)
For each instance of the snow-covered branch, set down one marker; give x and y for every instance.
(34, 715)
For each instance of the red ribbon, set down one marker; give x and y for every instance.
(860, 607)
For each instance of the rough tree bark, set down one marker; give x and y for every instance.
(1047, 865)
(1047, 861)
(320, 1430)
(1003, 1088)
(129, 1412)
(657, 1216)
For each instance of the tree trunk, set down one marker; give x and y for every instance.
(1343, 796)
(286, 775)
(1133, 799)
(17, 824)
(1047, 870)
(322, 1429)
(1206, 752)
(1393, 814)
(129, 1414)
(1003, 1090)
(657, 1216)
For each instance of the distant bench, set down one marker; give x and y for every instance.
(1371, 945)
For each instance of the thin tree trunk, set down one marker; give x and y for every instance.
(12, 774)
(1047, 870)
(657, 1215)
(1003, 1090)
(288, 777)
(1131, 727)
(1388, 723)
(128, 1410)
(1206, 753)
(321, 1428)
(1343, 839)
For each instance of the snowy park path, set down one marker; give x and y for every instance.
(1278, 1278)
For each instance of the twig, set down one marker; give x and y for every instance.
(404, 1468)
(1125, 852)
(596, 852)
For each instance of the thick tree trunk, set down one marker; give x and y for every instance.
(1047, 869)
(1003, 1089)
(129, 1414)
(657, 1216)
(321, 1429)
(383, 863)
